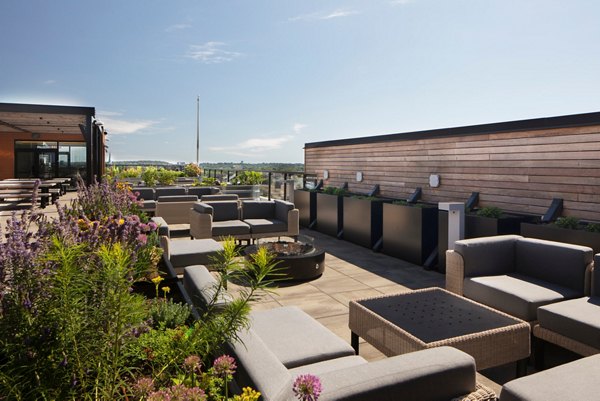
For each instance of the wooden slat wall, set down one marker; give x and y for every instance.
(516, 171)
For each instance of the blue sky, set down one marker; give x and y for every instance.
(273, 75)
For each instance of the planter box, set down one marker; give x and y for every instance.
(363, 221)
(410, 233)
(475, 227)
(330, 214)
(553, 233)
(306, 203)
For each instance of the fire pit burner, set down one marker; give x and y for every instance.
(297, 260)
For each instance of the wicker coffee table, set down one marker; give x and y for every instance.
(433, 317)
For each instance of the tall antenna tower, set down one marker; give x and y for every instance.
(198, 130)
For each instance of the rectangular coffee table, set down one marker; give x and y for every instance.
(433, 317)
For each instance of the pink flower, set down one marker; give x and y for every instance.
(224, 365)
(142, 238)
(307, 387)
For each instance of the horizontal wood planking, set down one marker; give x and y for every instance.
(518, 171)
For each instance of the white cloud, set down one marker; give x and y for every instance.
(254, 146)
(120, 126)
(298, 127)
(339, 13)
(211, 53)
(177, 27)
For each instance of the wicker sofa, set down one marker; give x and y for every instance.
(573, 324)
(285, 342)
(246, 220)
(517, 275)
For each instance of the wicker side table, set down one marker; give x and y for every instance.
(433, 317)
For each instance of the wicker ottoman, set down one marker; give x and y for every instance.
(433, 317)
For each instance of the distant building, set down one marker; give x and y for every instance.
(46, 141)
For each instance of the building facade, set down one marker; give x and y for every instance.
(47, 141)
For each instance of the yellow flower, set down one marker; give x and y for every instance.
(166, 290)
(121, 222)
(156, 280)
(248, 394)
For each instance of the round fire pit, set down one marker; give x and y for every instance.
(297, 260)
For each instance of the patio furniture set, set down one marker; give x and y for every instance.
(435, 339)
(16, 190)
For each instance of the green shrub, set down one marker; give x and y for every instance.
(167, 177)
(567, 222)
(150, 176)
(365, 197)
(335, 191)
(208, 181)
(168, 314)
(248, 178)
(131, 172)
(593, 227)
(490, 211)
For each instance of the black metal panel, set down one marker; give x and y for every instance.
(363, 221)
(330, 212)
(306, 203)
(409, 233)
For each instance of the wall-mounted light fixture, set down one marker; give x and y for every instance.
(434, 180)
(359, 176)
(325, 174)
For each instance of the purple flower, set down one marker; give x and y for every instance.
(224, 365)
(307, 387)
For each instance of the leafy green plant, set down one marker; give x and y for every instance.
(248, 178)
(131, 172)
(168, 314)
(593, 227)
(365, 197)
(568, 222)
(150, 176)
(166, 177)
(335, 191)
(207, 181)
(490, 211)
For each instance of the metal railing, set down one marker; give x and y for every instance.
(274, 186)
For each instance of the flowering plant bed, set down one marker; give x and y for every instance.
(71, 327)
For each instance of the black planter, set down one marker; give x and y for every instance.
(330, 214)
(363, 221)
(475, 227)
(410, 233)
(306, 203)
(553, 233)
